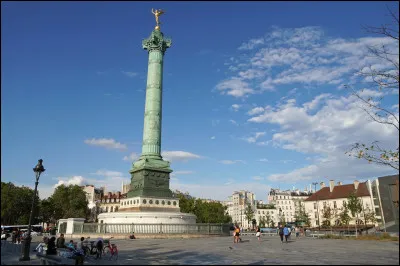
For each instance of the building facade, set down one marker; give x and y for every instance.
(288, 203)
(93, 194)
(237, 205)
(385, 193)
(335, 196)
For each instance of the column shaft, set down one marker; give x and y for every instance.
(153, 107)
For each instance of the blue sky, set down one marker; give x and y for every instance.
(253, 92)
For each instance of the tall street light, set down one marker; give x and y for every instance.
(315, 191)
(39, 169)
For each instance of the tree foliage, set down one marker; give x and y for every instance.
(206, 212)
(249, 213)
(327, 215)
(301, 216)
(16, 204)
(384, 82)
(69, 201)
(344, 214)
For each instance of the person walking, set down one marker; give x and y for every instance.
(280, 232)
(258, 233)
(286, 232)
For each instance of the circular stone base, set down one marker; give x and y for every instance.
(147, 218)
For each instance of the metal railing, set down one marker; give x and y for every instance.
(205, 229)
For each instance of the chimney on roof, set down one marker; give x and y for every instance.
(109, 194)
(339, 183)
(356, 183)
(331, 185)
(118, 194)
(322, 184)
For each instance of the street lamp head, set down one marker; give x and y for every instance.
(39, 167)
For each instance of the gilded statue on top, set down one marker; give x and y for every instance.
(157, 14)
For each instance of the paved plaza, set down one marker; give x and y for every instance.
(221, 250)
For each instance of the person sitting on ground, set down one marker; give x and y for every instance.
(41, 246)
(61, 241)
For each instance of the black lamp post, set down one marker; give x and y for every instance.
(39, 169)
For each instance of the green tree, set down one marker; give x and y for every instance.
(206, 212)
(268, 219)
(262, 221)
(327, 215)
(47, 211)
(369, 216)
(344, 214)
(282, 219)
(70, 201)
(301, 216)
(16, 204)
(355, 207)
(249, 213)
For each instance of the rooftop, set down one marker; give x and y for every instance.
(339, 192)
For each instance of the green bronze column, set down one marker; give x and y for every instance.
(150, 174)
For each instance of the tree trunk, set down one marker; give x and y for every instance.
(356, 225)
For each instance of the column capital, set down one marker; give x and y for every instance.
(156, 41)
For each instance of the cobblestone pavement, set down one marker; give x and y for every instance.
(221, 250)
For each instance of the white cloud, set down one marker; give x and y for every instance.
(132, 157)
(107, 143)
(75, 180)
(302, 56)
(176, 156)
(370, 93)
(263, 160)
(255, 111)
(257, 178)
(235, 107)
(233, 122)
(251, 44)
(129, 74)
(108, 173)
(232, 161)
(254, 138)
(316, 101)
(234, 87)
(213, 137)
(328, 132)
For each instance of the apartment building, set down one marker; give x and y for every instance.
(288, 203)
(335, 196)
(237, 205)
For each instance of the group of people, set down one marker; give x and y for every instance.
(76, 250)
(17, 236)
(283, 231)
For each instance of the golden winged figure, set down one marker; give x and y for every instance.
(157, 13)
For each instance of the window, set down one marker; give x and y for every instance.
(290, 207)
(334, 205)
(258, 212)
(315, 215)
(263, 212)
(315, 206)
